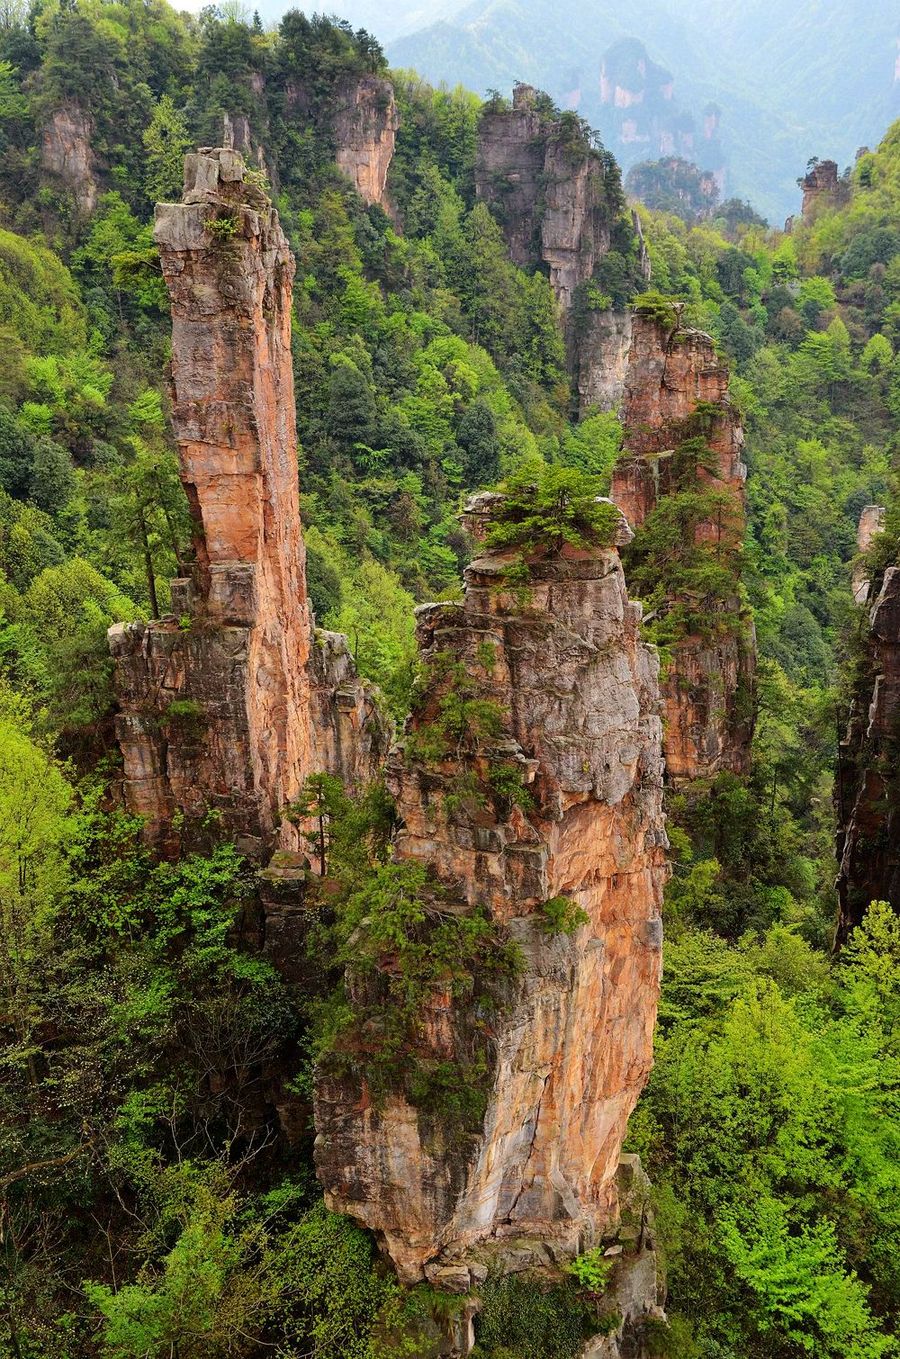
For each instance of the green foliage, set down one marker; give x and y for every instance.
(406, 948)
(658, 307)
(673, 185)
(222, 228)
(561, 915)
(465, 722)
(561, 507)
(165, 141)
(756, 1124)
(530, 1318)
(591, 1271)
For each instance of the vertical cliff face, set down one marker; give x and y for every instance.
(871, 522)
(67, 156)
(365, 122)
(567, 1051)
(226, 704)
(548, 189)
(867, 789)
(603, 349)
(558, 204)
(677, 388)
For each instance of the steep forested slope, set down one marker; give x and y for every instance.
(154, 1201)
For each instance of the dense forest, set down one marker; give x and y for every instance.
(151, 1203)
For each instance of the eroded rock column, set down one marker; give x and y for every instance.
(867, 789)
(676, 389)
(225, 707)
(568, 1051)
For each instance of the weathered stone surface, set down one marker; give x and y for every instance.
(871, 522)
(365, 122)
(67, 155)
(228, 707)
(578, 693)
(558, 206)
(674, 377)
(821, 186)
(636, 1291)
(551, 195)
(604, 345)
(868, 806)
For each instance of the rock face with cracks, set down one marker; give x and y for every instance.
(227, 706)
(866, 791)
(557, 200)
(675, 387)
(569, 1052)
(365, 122)
(67, 155)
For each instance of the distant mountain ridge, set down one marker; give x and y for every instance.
(808, 78)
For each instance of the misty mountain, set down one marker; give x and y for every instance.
(747, 89)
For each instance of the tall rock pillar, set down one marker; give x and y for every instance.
(556, 807)
(867, 788)
(676, 391)
(225, 706)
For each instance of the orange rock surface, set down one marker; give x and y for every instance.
(254, 708)
(674, 377)
(570, 1054)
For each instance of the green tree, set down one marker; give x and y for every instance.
(166, 140)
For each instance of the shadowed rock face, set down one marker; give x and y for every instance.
(670, 373)
(569, 1052)
(550, 193)
(227, 706)
(558, 206)
(867, 792)
(68, 157)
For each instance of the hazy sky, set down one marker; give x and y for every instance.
(385, 18)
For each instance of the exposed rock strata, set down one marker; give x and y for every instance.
(549, 190)
(821, 186)
(228, 705)
(365, 123)
(868, 783)
(558, 205)
(677, 387)
(569, 1055)
(67, 156)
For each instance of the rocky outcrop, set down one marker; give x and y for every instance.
(867, 791)
(227, 705)
(365, 123)
(549, 189)
(575, 752)
(871, 522)
(821, 186)
(67, 156)
(676, 389)
(559, 202)
(604, 344)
